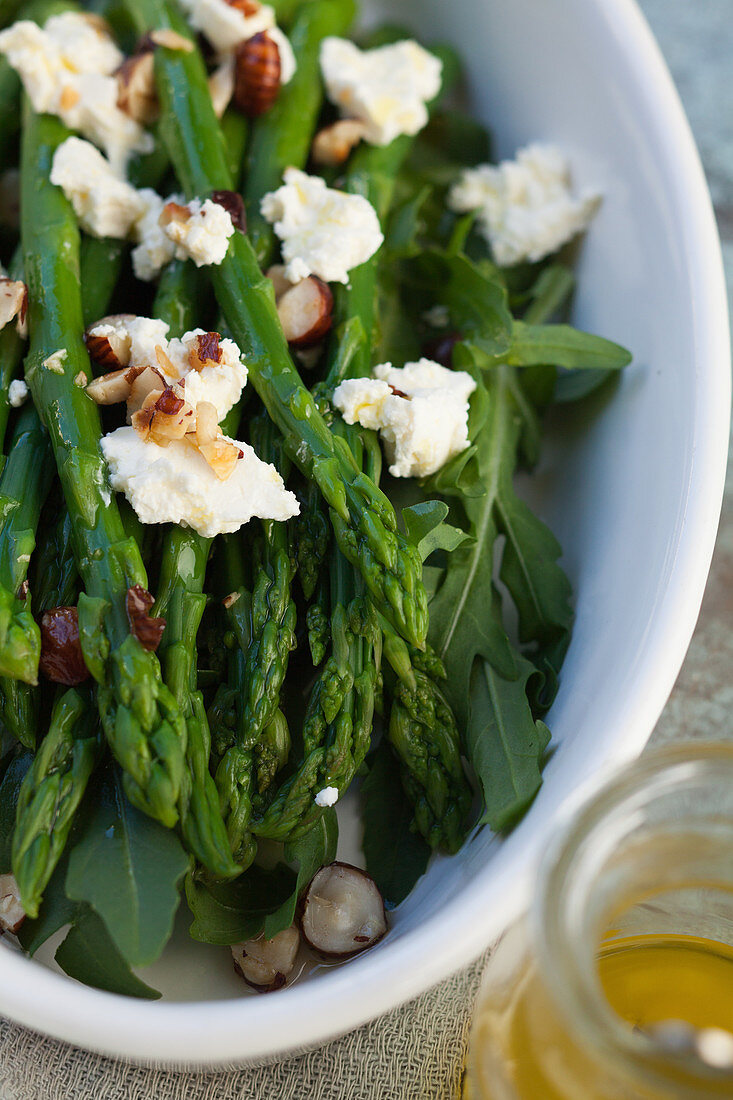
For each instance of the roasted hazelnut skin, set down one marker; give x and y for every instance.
(61, 656)
(257, 75)
(147, 631)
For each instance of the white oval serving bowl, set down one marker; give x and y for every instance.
(632, 487)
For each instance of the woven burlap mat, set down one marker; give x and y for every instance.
(413, 1053)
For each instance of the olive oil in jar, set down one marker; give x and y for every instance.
(618, 982)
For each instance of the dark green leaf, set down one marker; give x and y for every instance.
(539, 588)
(56, 911)
(396, 857)
(427, 531)
(129, 869)
(474, 294)
(406, 225)
(505, 743)
(231, 912)
(9, 788)
(548, 294)
(574, 385)
(89, 954)
(564, 346)
(311, 852)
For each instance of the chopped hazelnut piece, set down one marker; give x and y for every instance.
(61, 656)
(171, 40)
(233, 203)
(221, 86)
(256, 75)
(108, 340)
(147, 631)
(207, 425)
(164, 362)
(136, 94)
(12, 913)
(205, 350)
(222, 456)
(109, 388)
(333, 144)
(278, 278)
(247, 7)
(265, 964)
(164, 416)
(142, 382)
(13, 303)
(306, 312)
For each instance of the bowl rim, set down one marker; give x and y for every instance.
(237, 1032)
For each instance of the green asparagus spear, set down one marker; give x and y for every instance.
(363, 518)
(338, 722)
(281, 138)
(51, 792)
(259, 735)
(423, 733)
(273, 607)
(24, 483)
(181, 602)
(139, 714)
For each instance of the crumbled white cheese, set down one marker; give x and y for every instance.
(386, 88)
(174, 484)
(420, 430)
(55, 362)
(324, 232)
(67, 70)
(106, 205)
(154, 249)
(288, 63)
(526, 208)
(329, 796)
(17, 393)
(224, 25)
(145, 333)
(204, 236)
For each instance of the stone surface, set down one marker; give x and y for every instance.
(697, 40)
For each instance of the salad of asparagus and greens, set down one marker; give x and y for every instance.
(275, 335)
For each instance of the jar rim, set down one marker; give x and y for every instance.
(556, 916)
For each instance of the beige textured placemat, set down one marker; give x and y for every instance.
(413, 1053)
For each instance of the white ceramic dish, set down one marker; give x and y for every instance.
(633, 490)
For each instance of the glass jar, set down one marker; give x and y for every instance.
(618, 983)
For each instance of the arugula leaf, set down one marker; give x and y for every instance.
(548, 294)
(505, 743)
(128, 868)
(90, 955)
(426, 529)
(574, 385)
(9, 788)
(396, 856)
(474, 293)
(406, 224)
(564, 346)
(231, 912)
(311, 852)
(539, 588)
(491, 688)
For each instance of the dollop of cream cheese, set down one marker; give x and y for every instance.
(67, 69)
(387, 88)
(525, 207)
(423, 424)
(174, 484)
(323, 231)
(17, 393)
